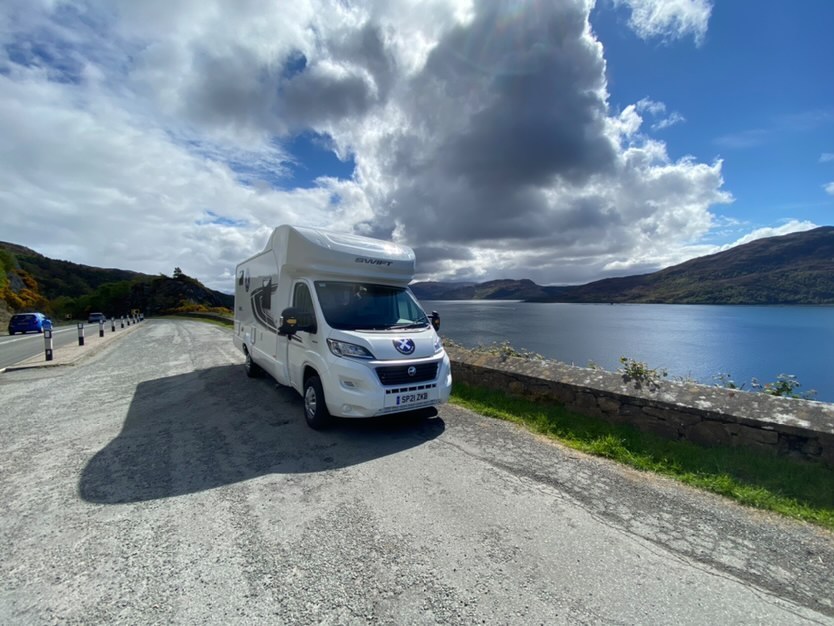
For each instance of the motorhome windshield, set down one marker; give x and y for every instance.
(365, 306)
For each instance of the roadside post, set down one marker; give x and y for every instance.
(80, 333)
(128, 320)
(101, 328)
(112, 324)
(123, 321)
(47, 343)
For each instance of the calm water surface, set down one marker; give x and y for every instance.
(693, 341)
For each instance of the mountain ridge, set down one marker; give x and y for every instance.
(797, 268)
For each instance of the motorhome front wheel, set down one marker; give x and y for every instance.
(315, 410)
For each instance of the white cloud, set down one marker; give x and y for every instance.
(826, 157)
(651, 106)
(111, 191)
(790, 226)
(671, 120)
(658, 110)
(481, 134)
(829, 188)
(669, 19)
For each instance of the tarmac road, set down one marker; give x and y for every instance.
(16, 348)
(154, 483)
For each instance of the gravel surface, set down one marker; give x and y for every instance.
(153, 482)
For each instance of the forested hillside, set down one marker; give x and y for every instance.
(30, 281)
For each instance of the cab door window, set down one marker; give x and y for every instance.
(303, 301)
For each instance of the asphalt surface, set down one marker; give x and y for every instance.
(30, 347)
(152, 482)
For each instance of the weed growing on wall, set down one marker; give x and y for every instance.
(641, 374)
(785, 386)
(503, 350)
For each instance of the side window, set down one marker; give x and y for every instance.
(240, 278)
(266, 294)
(301, 299)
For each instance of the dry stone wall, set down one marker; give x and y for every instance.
(698, 413)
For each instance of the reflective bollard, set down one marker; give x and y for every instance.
(47, 343)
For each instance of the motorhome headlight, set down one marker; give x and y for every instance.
(438, 345)
(343, 348)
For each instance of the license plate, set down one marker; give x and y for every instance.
(412, 398)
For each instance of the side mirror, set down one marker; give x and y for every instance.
(294, 320)
(435, 320)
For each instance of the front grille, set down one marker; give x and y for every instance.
(396, 390)
(398, 374)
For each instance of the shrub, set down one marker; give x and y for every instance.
(640, 373)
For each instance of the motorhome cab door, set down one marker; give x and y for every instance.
(300, 342)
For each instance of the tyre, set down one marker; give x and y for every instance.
(253, 370)
(315, 409)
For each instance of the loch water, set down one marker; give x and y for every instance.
(697, 342)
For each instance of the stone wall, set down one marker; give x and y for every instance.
(698, 413)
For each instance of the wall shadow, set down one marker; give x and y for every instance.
(205, 429)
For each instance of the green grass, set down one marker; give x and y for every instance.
(797, 489)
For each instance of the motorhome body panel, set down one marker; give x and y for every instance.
(257, 311)
(312, 252)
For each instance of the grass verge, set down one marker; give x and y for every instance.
(796, 489)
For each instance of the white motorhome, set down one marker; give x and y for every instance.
(331, 316)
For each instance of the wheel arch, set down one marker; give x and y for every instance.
(309, 370)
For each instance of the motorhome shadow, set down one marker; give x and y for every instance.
(331, 316)
(206, 429)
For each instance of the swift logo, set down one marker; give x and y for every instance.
(404, 346)
(362, 259)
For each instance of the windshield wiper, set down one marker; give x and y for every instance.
(418, 324)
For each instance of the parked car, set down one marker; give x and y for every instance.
(95, 318)
(28, 322)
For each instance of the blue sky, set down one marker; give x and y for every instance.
(757, 93)
(562, 141)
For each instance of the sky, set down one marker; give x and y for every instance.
(563, 141)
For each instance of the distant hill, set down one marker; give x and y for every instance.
(31, 281)
(492, 290)
(790, 269)
(61, 278)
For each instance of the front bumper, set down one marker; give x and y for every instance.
(352, 388)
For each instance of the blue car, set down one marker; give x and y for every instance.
(28, 322)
